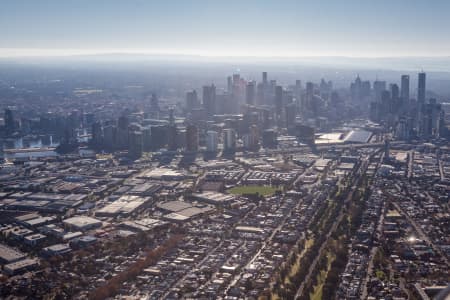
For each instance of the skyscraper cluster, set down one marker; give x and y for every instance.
(408, 118)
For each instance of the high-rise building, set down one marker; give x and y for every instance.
(421, 88)
(191, 138)
(269, 138)
(172, 140)
(192, 100)
(379, 87)
(10, 121)
(209, 100)
(147, 139)
(154, 103)
(212, 139)
(229, 140)
(250, 93)
(122, 132)
(404, 90)
(291, 114)
(135, 144)
(110, 136)
(264, 78)
(160, 136)
(395, 92)
(278, 100)
(97, 134)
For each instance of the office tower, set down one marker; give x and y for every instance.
(254, 137)
(192, 100)
(250, 93)
(278, 100)
(110, 136)
(304, 133)
(421, 89)
(122, 132)
(264, 78)
(395, 92)
(154, 103)
(229, 84)
(403, 129)
(135, 144)
(147, 139)
(251, 139)
(209, 100)
(269, 138)
(379, 87)
(10, 121)
(160, 136)
(435, 114)
(172, 139)
(308, 99)
(88, 119)
(97, 134)
(291, 114)
(404, 89)
(191, 138)
(212, 139)
(229, 140)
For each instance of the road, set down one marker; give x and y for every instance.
(322, 247)
(197, 265)
(421, 234)
(353, 187)
(261, 249)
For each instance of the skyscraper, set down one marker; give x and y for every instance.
(212, 139)
(209, 100)
(122, 132)
(191, 100)
(404, 89)
(154, 103)
(250, 93)
(191, 138)
(10, 121)
(229, 140)
(135, 144)
(421, 88)
(264, 78)
(394, 91)
(278, 99)
(378, 88)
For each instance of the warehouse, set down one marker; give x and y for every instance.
(82, 223)
(20, 266)
(9, 255)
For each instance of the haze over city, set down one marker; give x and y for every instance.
(224, 149)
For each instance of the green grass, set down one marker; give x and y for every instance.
(321, 277)
(380, 275)
(264, 190)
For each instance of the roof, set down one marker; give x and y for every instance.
(82, 221)
(24, 263)
(9, 254)
(174, 205)
(358, 136)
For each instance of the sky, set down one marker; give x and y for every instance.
(258, 28)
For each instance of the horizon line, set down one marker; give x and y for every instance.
(27, 53)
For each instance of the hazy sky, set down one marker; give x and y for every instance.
(364, 28)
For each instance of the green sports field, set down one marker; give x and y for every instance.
(265, 190)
